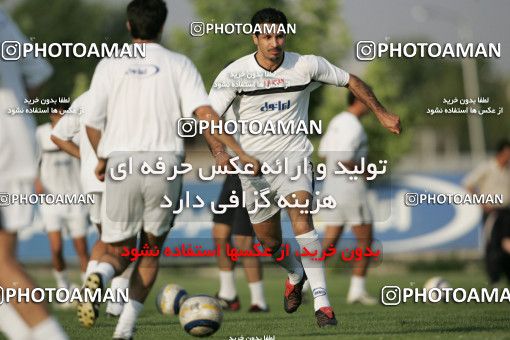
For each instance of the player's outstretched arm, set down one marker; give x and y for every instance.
(208, 114)
(387, 119)
(217, 150)
(94, 136)
(66, 146)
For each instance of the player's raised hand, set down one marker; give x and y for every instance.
(390, 121)
(100, 169)
(247, 159)
(223, 160)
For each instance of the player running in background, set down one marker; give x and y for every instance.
(493, 178)
(139, 103)
(346, 141)
(65, 133)
(236, 222)
(19, 80)
(285, 97)
(59, 173)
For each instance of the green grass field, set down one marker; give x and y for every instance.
(409, 321)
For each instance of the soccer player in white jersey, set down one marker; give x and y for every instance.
(289, 79)
(64, 134)
(139, 102)
(346, 141)
(59, 173)
(19, 79)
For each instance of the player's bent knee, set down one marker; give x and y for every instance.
(6, 259)
(273, 245)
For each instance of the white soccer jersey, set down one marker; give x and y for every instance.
(59, 171)
(144, 94)
(71, 127)
(490, 178)
(345, 135)
(17, 142)
(345, 140)
(282, 95)
(24, 72)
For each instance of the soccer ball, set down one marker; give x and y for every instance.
(170, 299)
(434, 287)
(201, 315)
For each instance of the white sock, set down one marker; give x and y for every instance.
(107, 272)
(48, 329)
(12, 325)
(257, 294)
(314, 269)
(357, 286)
(119, 282)
(227, 285)
(115, 308)
(291, 264)
(91, 267)
(306, 286)
(127, 319)
(61, 278)
(83, 276)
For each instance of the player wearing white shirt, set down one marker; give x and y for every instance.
(64, 134)
(492, 177)
(59, 173)
(139, 102)
(288, 80)
(19, 79)
(71, 128)
(346, 141)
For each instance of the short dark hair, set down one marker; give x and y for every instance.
(502, 145)
(146, 18)
(270, 16)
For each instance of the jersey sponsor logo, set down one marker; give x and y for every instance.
(62, 162)
(275, 106)
(423, 227)
(142, 70)
(319, 292)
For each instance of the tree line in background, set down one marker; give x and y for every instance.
(406, 86)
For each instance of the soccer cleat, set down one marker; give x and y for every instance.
(229, 305)
(293, 295)
(88, 311)
(325, 317)
(363, 298)
(258, 309)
